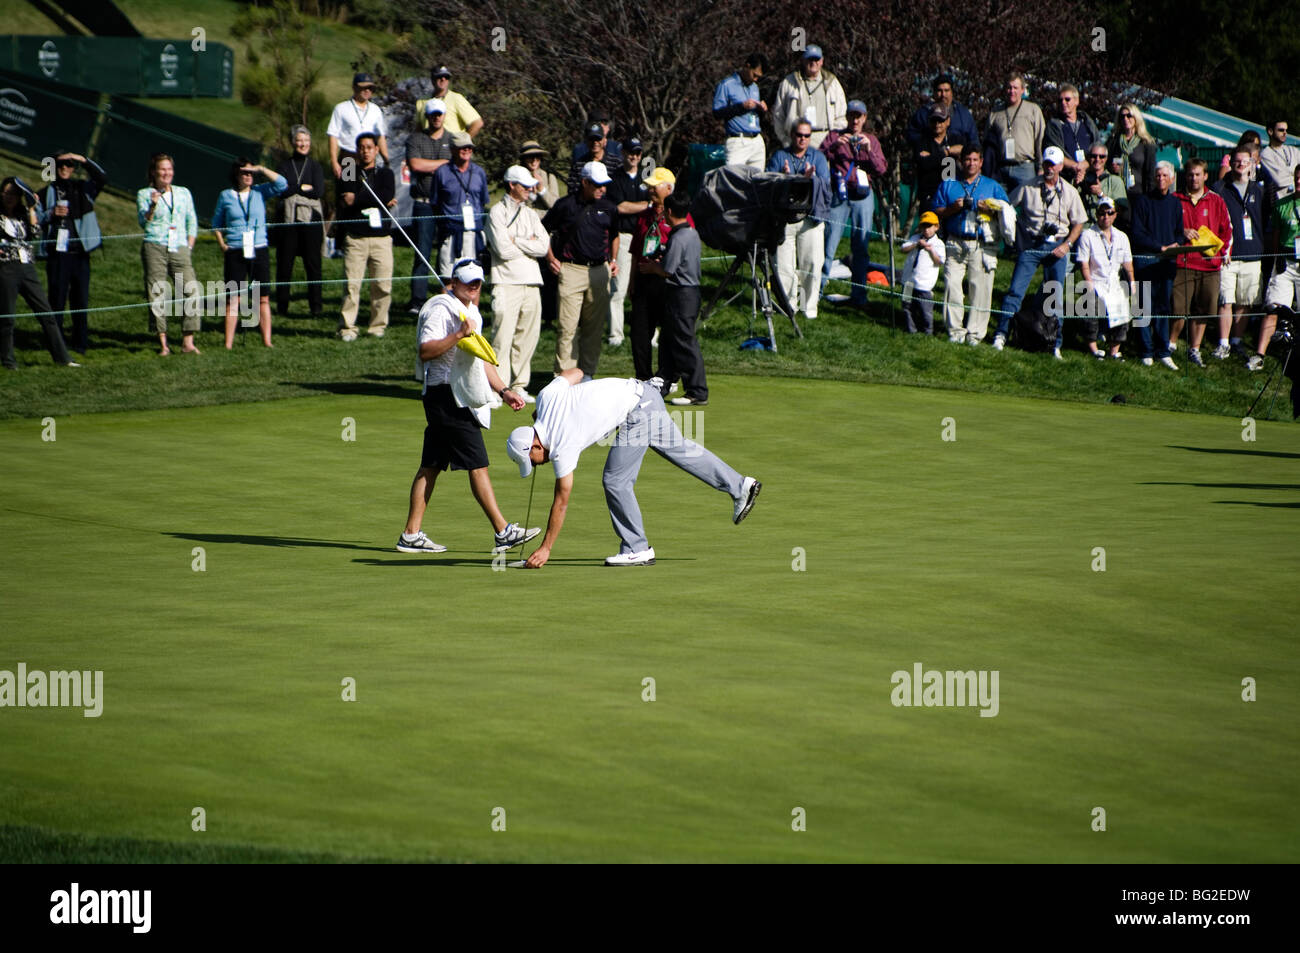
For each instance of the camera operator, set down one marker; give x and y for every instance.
(19, 227)
(1049, 219)
(71, 233)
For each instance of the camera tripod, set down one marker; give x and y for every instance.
(1282, 336)
(764, 285)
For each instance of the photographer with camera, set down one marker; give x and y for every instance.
(1049, 220)
(970, 245)
(19, 228)
(71, 232)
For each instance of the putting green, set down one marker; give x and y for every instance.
(875, 545)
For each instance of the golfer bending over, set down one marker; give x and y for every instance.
(571, 416)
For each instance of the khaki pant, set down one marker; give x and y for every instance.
(582, 304)
(368, 257)
(163, 270)
(517, 311)
(799, 261)
(746, 150)
(618, 289)
(968, 261)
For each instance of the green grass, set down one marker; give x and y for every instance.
(122, 370)
(478, 689)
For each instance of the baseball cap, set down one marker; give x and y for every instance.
(518, 174)
(1053, 155)
(929, 218)
(460, 140)
(441, 71)
(435, 106)
(362, 79)
(518, 445)
(467, 270)
(593, 131)
(1105, 202)
(813, 52)
(856, 106)
(632, 144)
(596, 172)
(938, 111)
(660, 176)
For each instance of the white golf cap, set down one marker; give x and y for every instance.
(520, 176)
(518, 446)
(596, 172)
(435, 106)
(1053, 155)
(467, 270)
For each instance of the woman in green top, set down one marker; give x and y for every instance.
(166, 213)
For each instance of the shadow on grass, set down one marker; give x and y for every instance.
(292, 542)
(1228, 486)
(1281, 506)
(371, 385)
(486, 560)
(1249, 453)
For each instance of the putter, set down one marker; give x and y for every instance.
(433, 271)
(520, 563)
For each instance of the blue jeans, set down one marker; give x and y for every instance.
(1054, 269)
(859, 215)
(1155, 335)
(424, 223)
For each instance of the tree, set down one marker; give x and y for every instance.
(539, 68)
(280, 79)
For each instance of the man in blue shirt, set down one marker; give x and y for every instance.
(736, 103)
(461, 198)
(971, 245)
(800, 257)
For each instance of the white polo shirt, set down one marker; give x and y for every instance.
(440, 316)
(350, 120)
(571, 417)
(1104, 258)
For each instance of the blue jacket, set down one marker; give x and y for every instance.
(234, 214)
(451, 190)
(1251, 208)
(1157, 221)
(821, 206)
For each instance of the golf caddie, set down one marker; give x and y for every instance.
(461, 386)
(572, 415)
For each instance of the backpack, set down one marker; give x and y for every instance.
(1033, 328)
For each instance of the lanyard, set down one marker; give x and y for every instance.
(970, 192)
(171, 206)
(297, 173)
(361, 113)
(245, 209)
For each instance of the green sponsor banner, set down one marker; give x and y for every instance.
(35, 120)
(124, 66)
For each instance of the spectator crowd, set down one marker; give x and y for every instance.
(1122, 238)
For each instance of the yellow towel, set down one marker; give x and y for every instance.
(1206, 237)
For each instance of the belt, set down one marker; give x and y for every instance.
(586, 264)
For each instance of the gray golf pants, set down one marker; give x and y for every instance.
(648, 425)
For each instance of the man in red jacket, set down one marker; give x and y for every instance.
(1196, 282)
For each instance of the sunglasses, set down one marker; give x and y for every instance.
(1105, 211)
(803, 135)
